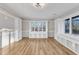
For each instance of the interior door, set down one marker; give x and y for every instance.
(38, 29)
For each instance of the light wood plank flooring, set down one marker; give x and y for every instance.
(28, 46)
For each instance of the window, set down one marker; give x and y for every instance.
(38, 26)
(67, 25)
(75, 25)
(74, 22)
(38, 29)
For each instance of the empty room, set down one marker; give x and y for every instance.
(39, 28)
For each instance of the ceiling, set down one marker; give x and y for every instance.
(50, 11)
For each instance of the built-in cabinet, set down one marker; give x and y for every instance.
(69, 42)
(6, 37)
(10, 28)
(38, 29)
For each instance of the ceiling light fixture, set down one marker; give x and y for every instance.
(39, 5)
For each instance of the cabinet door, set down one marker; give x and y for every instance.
(5, 38)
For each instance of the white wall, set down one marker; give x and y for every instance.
(25, 28)
(70, 40)
(51, 28)
(18, 29)
(6, 22)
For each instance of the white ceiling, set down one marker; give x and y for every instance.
(50, 11)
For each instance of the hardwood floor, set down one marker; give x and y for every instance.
(36, 47)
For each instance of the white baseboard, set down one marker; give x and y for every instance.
(26, 34)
